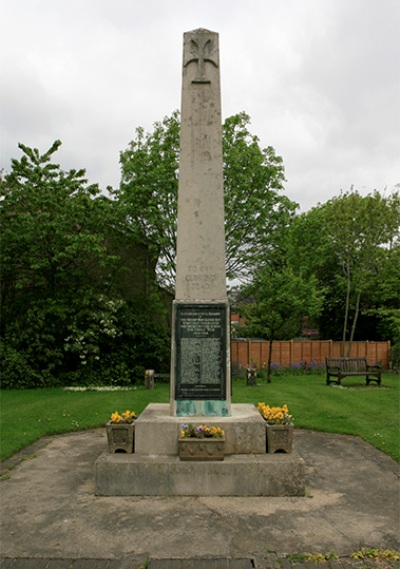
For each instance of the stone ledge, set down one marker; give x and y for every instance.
(156, 431)
(237, 475)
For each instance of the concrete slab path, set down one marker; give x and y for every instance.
(49, 511)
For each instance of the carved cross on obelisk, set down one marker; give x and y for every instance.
(201, 49)
(200, 368)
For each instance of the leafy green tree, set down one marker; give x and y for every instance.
(52, 244)
(253, 180)
(256, 210)
(311, 253)
(148, 189)
(67, 292)
(344, 242)
(383, 294)
(280, 298)
(359, 227)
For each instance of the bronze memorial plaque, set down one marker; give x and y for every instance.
(200, 358)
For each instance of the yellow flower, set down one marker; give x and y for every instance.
(275, 415)
(126, 417)
(202, 431)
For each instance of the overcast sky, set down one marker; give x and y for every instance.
(320, 80)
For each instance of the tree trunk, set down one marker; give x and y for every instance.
(346, 313)
(353, 328)
(269, 362)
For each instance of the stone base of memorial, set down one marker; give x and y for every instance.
(155, 468)
(165, 475)
(279, 438)
(158, 431)
(201, 449)
(120, 437)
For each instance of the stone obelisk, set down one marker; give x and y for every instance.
(200, 368)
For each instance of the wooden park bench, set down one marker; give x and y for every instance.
(344, 367)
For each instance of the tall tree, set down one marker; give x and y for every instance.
(280, 298)
(343, 241)
(253, 180)
(70, 278)
(383, 294)
(52, 245)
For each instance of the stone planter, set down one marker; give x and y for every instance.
(201, 449)
(121, 437)
(279, 438)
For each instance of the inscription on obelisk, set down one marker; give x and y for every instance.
(200, 369)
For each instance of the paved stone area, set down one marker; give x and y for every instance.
(54, 520)
(268, 562)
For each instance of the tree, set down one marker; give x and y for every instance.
(148, 190)
(256, 211)
(66, 310)
(52, 242)
(311, 252)
(253, 179)
(383, 294)
(359, 227)
(344, 242)
(279, 300)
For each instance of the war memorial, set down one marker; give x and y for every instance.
(200, 347)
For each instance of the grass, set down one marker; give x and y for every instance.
(27, 415)
(371, 413)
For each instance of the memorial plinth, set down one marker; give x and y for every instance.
(155, 469)
(157, 432)
(237, 475)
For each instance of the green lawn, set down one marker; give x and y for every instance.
(372, 413)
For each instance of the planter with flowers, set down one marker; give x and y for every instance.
(121, 432)
(279, 426)
(201, 442)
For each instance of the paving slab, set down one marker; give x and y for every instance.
(352, 501)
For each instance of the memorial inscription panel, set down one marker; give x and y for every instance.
(200, 359)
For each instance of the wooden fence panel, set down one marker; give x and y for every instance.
(287, 353)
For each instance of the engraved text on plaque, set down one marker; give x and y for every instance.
(200, 332)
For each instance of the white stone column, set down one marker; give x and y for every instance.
(200, 262)
(200, 368)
